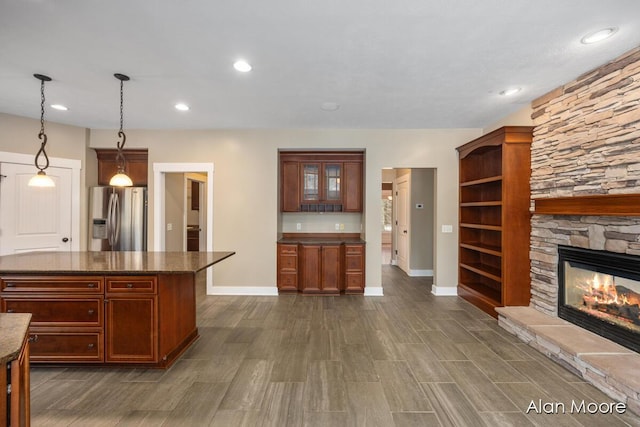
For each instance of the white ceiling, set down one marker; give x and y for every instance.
(387, 63)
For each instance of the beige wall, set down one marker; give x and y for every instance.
(522, 117)
(174, 212)
(246, 187)
(422, 186)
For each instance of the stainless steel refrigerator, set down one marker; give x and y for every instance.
(118, 219)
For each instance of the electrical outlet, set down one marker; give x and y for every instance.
(298, 226)
(169, 226)
(341, 226)
(337, 226)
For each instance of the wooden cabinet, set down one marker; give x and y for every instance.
(321, 181)
(287, 268)
(131, 332)
(15, 408)
(354, 268)
(136, 165)
(321, 267)
(114, 319)
(494, 218)
(67, 320)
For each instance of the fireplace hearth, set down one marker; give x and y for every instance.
(600, 291)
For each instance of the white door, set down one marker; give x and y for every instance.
(402, 227)
(34, 218)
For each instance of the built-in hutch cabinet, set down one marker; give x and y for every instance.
(321, 265)
(494, 219)
(321, 181)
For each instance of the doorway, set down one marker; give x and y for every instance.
(413, 221)
(163, 172)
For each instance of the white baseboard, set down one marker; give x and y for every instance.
(369, 291)
(245, 290)
(373, 291)
(444, 291)
(420, 273)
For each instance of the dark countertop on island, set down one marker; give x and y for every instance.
(110, 262)
(13, 328)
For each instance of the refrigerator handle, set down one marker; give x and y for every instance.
(110, 220)
(116, 218)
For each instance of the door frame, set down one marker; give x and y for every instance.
(159, 171)
(75, 166)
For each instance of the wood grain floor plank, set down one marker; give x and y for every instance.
(451, 405)
(401, 388)
(357, 363)
(480, 391)
(415, 419)
(423, 363)
(368, 404)
(249, 385)
(325, 389)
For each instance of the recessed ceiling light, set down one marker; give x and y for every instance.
(242, 66)
(599, 35)
(59, 107)
(511, 91)
(329, 106)
(181, 107)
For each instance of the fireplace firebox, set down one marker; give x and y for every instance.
(600, 291)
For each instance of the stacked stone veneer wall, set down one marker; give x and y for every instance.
(586, 141)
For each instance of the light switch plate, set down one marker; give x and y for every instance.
(447, 228)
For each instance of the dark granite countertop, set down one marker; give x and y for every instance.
(110, 262)
(305, 240)
(13, 328)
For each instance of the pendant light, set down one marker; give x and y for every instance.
(41, 179)
(120, 179)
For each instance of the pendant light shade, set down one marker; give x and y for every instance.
(121, 179)
(41, 179)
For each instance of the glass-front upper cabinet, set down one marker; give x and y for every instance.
(332, 190)
(311, 182)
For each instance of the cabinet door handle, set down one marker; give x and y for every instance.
(11, 285)
(10, 310)
(91, 311)
(91, 285)
(91, 345)
(129, 285)
(33, 338)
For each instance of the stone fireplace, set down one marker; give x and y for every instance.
(600, 291)
(585, 190)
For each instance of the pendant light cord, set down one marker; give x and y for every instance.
(42, 136)
(120, 144)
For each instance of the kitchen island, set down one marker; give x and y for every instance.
(106, 308)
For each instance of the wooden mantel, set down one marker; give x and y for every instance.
(601, 204)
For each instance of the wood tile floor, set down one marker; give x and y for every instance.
(406, 359)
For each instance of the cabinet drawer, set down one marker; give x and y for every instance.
(353, 249)
(79, 284)
(288, 249)
(354, 283)
(57, 311)
(73, 346)
(133, 284)
(353, 263)
(289, 263)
